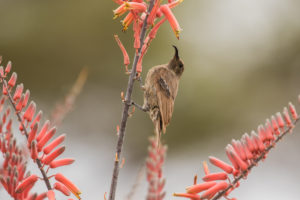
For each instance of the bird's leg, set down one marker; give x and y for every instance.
(142, 108)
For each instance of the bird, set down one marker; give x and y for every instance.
(160, 91)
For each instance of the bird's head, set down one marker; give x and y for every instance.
(176, 64)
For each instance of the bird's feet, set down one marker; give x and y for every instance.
(131, 103)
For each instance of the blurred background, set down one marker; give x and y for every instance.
(242, 64)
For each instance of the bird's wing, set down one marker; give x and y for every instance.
(166, 86)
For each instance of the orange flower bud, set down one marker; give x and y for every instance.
(26, 98)
(13, 79)
(287, 117)
(54, 143)
(60, 187)
(243, 166)
(127, 20)
(61, 162)
(213, 190)
(19, 106)
(27, 183)
(221, 164)
(36, 119)
(205, 168)
(49, 158)
(215, 177)
(46, 138)
(59, 177)
(191, 196)
(200, 187)
(32, 134)
(293, 111)
(275, 125)
(51, 195)
(280, 120)
(165, 9)
(43, 130)
(174, 3)
(30, 111)
(41, 196)
(125, 54)
(18, 92)
(8, 67)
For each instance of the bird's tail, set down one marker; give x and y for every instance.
(158, 126)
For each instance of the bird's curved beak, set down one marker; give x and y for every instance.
(176, 52)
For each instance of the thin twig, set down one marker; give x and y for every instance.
(38, 161)
(237, 179)
(125, 114)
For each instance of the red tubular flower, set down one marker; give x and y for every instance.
(26, 183)
(13, 79)
(280, 120)
(49, 158)
(46, 138)
(26, 98)
(165, 9)
(60, 187)
(18, 92)
(215, 177)
(229, 148)
(19, 106)
(137, 31)
(51, 195)
(36, 119)
(41, 196)
(205, 168)
(259, 143)
(154, 30)
(174, 3)
(120, 10)
(32, 134)
(221, 164)
(287, 117)
(8, 67)
(61, 162)
(125, 54)
(213, 190)
(59, 177)
(275, 125)
(30, 111)
(200, 187)
(293, 111)
(242, 165)
(269, 132)
(127, 20)
(54, 144)
(43, 130)
(191, 196)
(261, 133)
(136, 6)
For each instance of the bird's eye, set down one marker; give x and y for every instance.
(180, 65)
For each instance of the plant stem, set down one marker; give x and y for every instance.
(237, 179)
(125, 114)
(38, 161)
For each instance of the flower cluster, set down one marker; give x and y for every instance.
(243, 155)
(136, 14)
(41, 149)
(154, 163)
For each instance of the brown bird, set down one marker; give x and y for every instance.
(160, 91)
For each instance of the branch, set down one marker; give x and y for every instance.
(237, 179)
(38, 161)
(125, 114)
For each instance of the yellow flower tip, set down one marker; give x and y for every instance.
(115, 16)
(175, 194)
